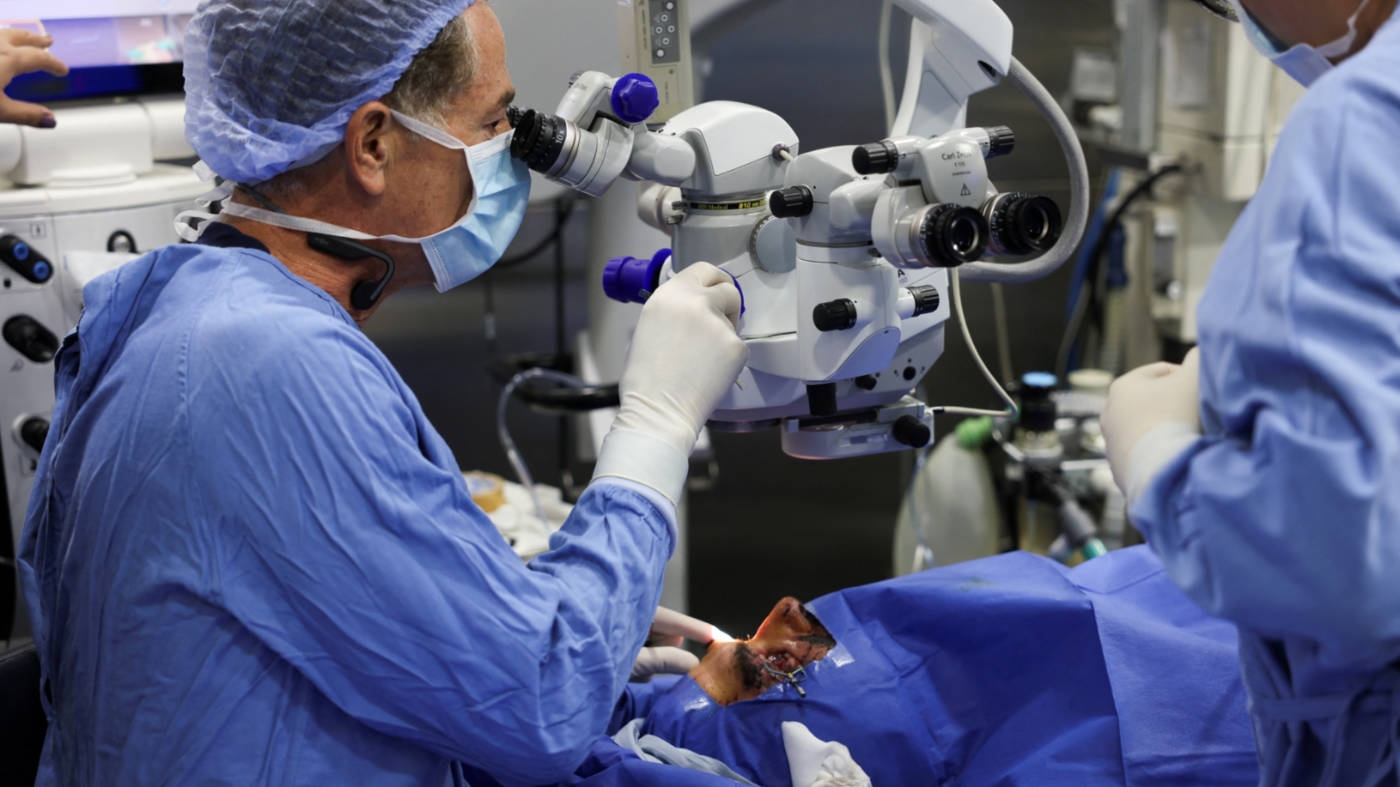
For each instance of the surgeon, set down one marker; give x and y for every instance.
(1264, 469)
(249, 558)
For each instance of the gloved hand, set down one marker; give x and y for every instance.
(1140, 402)
(814, 762)
(662, 660)
(669, 622)
(685, 356)
(669, 629)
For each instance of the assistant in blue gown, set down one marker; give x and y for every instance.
(1284, 516)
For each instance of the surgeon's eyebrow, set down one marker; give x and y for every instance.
(507, 98)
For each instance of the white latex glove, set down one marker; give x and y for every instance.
(663, 660)
(1161, 400)
(686, 355)
(664, 655)
(814, 762)
(669, 622)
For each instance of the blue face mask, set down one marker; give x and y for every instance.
(1304, 62)
(468, 248)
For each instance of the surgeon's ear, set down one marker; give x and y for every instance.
(369, 140)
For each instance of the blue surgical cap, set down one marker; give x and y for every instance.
(270, 86)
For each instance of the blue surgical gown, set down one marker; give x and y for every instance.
(1284, 517)
(250, 559)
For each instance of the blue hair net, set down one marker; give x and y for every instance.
(271, 86)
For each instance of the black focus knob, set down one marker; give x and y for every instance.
(837, 315)
(912, 432)
(793, 202)
(926, 300)
(1002, 141)
(32, 339)
(27, 262)
(33, 430)
(876, 158)
(953, 235)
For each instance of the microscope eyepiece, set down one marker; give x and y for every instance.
(951, 235)
(1023, 224)
(539, 139)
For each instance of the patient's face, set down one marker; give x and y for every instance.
(790, 637)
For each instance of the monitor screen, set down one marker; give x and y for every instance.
(113, 47)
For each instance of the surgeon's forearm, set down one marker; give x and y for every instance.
(611, 555)
(643, 459)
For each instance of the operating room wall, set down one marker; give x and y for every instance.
(770, 526)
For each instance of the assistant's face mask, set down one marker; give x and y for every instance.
(468, 248)
(1304, 62)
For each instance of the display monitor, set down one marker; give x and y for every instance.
(112, 47)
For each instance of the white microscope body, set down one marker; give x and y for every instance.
(841, 254)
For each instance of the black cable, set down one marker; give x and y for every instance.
(561, 218)
(543, 395)
(564, 208)
(1092, 274)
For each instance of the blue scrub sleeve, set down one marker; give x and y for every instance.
(1285, 517)
(347, 544)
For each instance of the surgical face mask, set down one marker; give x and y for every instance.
(1304, 62)
(468, 248)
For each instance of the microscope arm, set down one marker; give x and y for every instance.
(957, 48)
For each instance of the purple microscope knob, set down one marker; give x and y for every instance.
(634, 97)
(632, 279)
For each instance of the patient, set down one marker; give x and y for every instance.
(1010, 670)
(789, 639)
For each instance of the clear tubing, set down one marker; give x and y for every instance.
(517, 462)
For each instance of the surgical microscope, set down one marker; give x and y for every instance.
(848, 258)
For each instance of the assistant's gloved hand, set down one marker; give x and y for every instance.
(1153, 412)
(814, 762)
(685, 356)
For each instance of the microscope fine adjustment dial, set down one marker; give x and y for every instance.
(793, 202)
